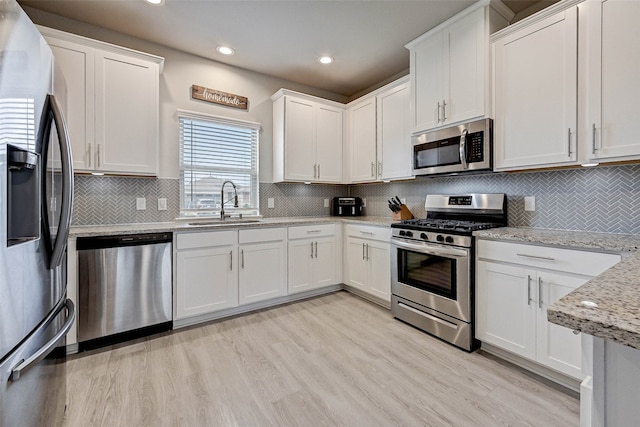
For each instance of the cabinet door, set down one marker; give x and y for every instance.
(329, 143)
(126, 106)
(505, 310)
(262, 272)
(558, 347)
(357, 265)
(206, 280)
(614, 88)
(426, 79)
(300, 269)
(299, 140)
(379, 269)
(464, 66)
(535, 94)
(362, 141)
(324, 268)
(394, 137)
(74, 90)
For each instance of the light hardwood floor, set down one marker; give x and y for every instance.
(334, 360)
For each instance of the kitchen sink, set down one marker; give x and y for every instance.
(214, 221)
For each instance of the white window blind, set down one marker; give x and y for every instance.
(212, 151)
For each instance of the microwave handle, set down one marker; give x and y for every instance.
(463, 149)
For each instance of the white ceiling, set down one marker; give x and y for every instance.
(278, 38)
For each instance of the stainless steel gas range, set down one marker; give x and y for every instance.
(432, 264)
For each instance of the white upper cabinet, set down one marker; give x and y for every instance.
(613, 85)
(110, 96)
(379, 139)
(449, 68)
(307, 138)
(535, 105)
(362, 140)
(394, 135)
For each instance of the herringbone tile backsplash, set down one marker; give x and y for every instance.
(603, 199)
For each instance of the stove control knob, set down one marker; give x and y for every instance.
(424, 236)
(401, 232)
(409, 234)
(449, 239)
(440, 238)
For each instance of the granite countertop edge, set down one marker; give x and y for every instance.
(183, 226)
(615, 291)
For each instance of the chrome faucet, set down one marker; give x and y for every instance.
(222, 202)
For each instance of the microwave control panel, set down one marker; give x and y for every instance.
(475, 152)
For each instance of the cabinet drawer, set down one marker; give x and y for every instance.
(261, 235)
(369, 232)
(317, 230)
(565, 260)
(205, 240)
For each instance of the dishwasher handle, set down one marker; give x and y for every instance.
(118, 241)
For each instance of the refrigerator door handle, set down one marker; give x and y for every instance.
(24, 365)
(60, 244)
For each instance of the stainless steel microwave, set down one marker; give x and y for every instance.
(464, 148)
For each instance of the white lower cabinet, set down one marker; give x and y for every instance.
(367, 267)
(312, 257)
(206, 272)
(223, 269)
(263, 264)
(515, 285)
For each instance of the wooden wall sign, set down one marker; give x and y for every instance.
(219, 97)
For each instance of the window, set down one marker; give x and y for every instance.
(214, 150)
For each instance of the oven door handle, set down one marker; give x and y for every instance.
(428, 249)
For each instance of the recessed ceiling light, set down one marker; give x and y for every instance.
(325, 60)
(156, 2)
(225, 50)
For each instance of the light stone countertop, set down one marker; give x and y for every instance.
(183, 226)
(616, 291)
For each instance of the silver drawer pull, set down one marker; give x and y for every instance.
(313, 231)
(547, 258)
(368, 233)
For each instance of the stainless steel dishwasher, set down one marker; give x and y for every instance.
(124, 287)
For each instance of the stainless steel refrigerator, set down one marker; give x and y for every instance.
(36, 189)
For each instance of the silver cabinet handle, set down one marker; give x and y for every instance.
(569, 142)
(539, 292)
(89, 154)
(231, 260)
(368, 233)
(546, 258)
(372, 169)
(242, 258)
(444, 110)
(379, 169)
(316, 245)
(528, 289)
(363, 258)
(315, 173)
(593, 139)
(318, 170)
(313, 231)
(98, 156)
(311, 249)
(438, 111)
(463, 149)
(368, 252)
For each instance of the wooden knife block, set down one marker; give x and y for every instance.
(404, 213)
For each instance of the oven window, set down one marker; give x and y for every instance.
(427, 272)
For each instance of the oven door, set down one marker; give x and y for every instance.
(432, 275)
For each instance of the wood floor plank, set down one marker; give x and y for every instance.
(334, 360)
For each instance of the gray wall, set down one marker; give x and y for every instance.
(603, 199)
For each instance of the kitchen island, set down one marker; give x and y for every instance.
(606, 308)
